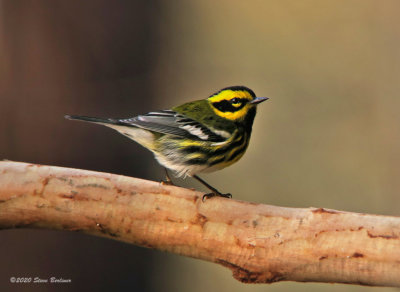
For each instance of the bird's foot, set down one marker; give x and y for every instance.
(210, 195)
(167, 182)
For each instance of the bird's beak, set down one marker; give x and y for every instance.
(258, 100)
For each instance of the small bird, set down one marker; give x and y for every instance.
(199, 136)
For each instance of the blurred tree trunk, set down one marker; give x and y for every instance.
(87, 57)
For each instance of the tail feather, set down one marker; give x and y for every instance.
(141, 136)
(91, 119)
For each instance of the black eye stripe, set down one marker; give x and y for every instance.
(226, 105)
(239, 100)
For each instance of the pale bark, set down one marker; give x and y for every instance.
(259, 243)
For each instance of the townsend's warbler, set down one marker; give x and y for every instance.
(198, 136)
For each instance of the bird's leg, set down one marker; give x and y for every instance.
(214, 192)
(168, 180)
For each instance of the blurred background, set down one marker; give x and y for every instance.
(328, 137)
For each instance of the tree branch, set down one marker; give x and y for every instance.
(259, 243)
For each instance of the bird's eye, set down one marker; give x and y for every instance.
(235, 100)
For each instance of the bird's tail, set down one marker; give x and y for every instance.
(91, 119)
(141, 136)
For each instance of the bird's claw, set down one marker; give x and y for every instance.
(210, 195)
(167, 183)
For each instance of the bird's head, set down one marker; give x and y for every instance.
(235, 103)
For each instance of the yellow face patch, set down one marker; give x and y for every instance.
(238, 109)
(237, 104)
(229, 94)
(235, 115)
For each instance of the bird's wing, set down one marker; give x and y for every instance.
(173, 123)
